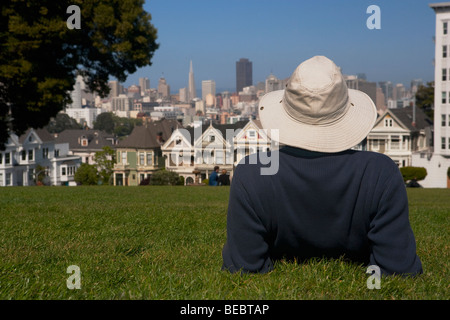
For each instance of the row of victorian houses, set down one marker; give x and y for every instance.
(192, 152)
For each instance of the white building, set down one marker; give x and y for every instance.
(84, 116)
(437, 162)
(33, 153)
(208, 88)
(121, 103)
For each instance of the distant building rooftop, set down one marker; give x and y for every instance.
(440, 5)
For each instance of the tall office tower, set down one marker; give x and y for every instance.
(116, 89)
(415, 84)
(191, 94)
(273, 84)
(144, 83)
(438, 162)
(76, 94)
(244, 74)
(388, 89)
(183, 95)
(163, 89)
(441, 83)
(208, 87)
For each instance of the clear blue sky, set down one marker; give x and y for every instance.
(278, 35)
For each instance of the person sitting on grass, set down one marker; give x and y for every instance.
(224, 178)
(326, 199)
(214, 177)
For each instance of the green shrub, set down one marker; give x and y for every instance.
(205, 181)
(410, 173)
(87, 174)
(164, 178)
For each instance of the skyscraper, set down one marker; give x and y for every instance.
(163, 89)
(438, 162)
(144, 83)
(244, 74)
(208, 87)
(191, 94)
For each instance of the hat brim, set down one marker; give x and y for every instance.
(342, 134)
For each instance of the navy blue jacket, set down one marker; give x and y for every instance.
(352, 204)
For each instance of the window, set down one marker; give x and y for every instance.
(252, 134)
(30, 155)
(149, 158)
(449, 120)
(375, 145)
(124, 158)
(1, 158)
(219, 157)
(444, 74)
(1, 179)
(444, 97)
(445, 27)
(443, 120)
(45, 153)
(212, 138)
(24, 155)
(443, 143)
(63, 171)
(8, 179)
(444, 51)
(141, 159)
(449, 143)
(56, 153)
(388, 122)
(7, 158)
(395, 142)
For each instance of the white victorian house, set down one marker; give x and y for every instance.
(399, 133)
(35, 153)
(193, 152)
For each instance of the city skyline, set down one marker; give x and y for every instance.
(276, 37)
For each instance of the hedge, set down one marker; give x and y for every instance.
(410, 173)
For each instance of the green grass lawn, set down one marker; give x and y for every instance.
(166, 242)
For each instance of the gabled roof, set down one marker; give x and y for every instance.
(222, 128)
(43, 134)
(405, 115)
(97, 139)
(151, 135)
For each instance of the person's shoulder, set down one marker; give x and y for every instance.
(378, 164)
(374, 158)
(251, 164)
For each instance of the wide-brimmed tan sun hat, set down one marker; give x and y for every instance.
(316, 111)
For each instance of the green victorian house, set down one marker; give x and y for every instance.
(139, 155)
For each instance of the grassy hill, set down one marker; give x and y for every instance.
(166, 243)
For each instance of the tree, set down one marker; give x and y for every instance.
(87, 174)
(105, 122)
(40, 56)
(111, 123)
(425, 99)
(62, 122)
(105, 163)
